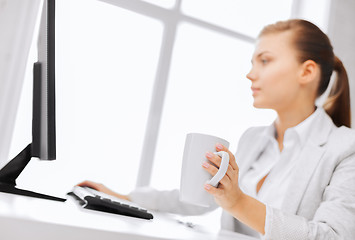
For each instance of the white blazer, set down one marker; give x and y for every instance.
(320, 202)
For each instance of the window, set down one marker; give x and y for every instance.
(135, 78)
(247, 17)
(106, 64)
(164, 3)
(207, 93)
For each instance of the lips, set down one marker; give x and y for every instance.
(255, 90)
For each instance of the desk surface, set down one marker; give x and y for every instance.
(30, 218)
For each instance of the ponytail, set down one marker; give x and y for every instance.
(337, 104)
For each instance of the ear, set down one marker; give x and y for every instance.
(309, 72)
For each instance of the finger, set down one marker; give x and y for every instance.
(212, 190)
(215, 159)
(89, 184)
(84, 183)
(230, 172)
(210, 168)
(221, 147)
(226, 181)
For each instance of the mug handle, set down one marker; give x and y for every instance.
(222, 169)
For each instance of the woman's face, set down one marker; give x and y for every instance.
(275, 71)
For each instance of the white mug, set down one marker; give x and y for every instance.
(193, 176)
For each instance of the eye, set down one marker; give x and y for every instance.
(264, 61)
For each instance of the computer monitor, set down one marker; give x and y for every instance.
(43, 122)
(43, 144)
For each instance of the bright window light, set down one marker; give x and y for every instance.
(162, 3)
(107, 60)
(207, 93)
(247, 17)
(106, 65)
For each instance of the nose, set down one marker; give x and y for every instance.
(251, 75)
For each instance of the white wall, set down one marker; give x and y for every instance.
(17, 22)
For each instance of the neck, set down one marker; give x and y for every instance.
(290, 118)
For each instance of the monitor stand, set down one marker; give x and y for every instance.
(13, 169)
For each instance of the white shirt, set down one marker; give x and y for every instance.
(319, 203)
(277, 165)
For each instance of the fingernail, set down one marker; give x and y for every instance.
(209, 154)
(207, 187)
(205, 164)
(219, 146)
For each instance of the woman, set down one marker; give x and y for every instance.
(294, 179)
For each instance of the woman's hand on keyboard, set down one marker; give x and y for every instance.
(102, 188)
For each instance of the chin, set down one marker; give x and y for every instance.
(257, 104)
(261, 105)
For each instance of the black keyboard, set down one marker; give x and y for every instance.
(90, 199)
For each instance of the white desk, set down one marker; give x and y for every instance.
(37, 219)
